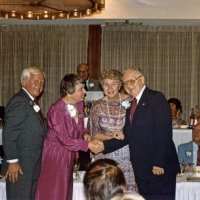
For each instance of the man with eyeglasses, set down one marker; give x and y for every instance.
(189, 153)
(90, 84)
(149, 135)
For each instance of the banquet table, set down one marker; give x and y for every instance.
(184, 190)
(78, 191)
(2, 189)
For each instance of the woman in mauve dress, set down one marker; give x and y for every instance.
(64, 138)
(107, 119)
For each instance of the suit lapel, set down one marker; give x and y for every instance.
(30, 102)
(141, 105)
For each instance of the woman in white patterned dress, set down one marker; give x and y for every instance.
(107, 119)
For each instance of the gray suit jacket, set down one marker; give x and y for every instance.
(23, 134)
(185, 153)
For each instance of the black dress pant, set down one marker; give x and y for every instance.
(84, 160)
(162, 187)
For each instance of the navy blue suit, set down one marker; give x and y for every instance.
(150, 142)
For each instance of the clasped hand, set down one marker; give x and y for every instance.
(118, 135)
(158, 170)
(13, 172)
(96, 146)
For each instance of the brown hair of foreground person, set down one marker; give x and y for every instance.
(103, 179)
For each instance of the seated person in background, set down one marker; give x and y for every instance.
(103, 179)
(128, 196)
(176, 111)
(188, 152)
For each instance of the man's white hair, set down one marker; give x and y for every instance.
(26, 73)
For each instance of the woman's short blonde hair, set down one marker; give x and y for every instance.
(112, 74)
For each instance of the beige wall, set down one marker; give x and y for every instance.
(151, 9)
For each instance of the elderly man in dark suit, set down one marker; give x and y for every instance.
(23, 136)
(84, 73)
(148, 131)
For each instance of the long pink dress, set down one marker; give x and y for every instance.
(63, 140)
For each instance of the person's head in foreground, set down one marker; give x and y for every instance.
(127, 196)
(103, 180)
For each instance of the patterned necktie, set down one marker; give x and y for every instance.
(198, 156)
(133, 107)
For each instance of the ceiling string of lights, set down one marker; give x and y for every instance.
(37, 10)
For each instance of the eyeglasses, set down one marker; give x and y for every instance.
(82, 72)
(131, 81)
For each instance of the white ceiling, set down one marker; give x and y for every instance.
(166, 12)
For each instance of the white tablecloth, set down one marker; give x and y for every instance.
(181, 136)
(188, 191)
(78, 191)
(2, 190)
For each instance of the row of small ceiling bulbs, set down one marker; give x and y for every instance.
(98, 6)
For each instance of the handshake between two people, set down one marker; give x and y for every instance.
(96, 143)
(96, 146)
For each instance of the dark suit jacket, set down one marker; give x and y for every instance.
(149, 137)
(23, 134)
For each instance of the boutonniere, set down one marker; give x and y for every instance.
(35, 106)
(188, 153)
(71, 109)
(91, 84)
(125, 104)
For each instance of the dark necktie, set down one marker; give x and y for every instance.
(133, 107)
(85, 86)
(198, 156)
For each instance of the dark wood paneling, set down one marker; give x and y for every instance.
(94, 50)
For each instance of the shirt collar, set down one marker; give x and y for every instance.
(32, 98)
(195, 146)
(138, 97)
